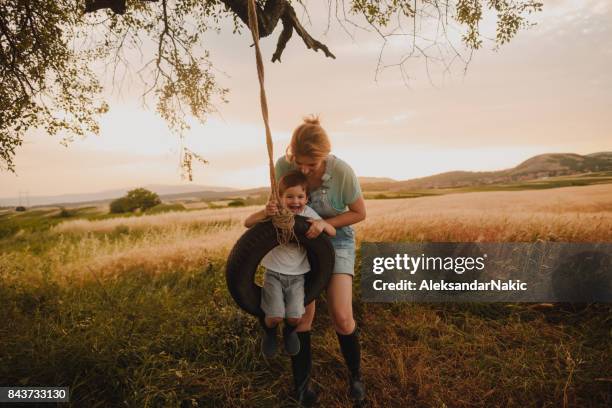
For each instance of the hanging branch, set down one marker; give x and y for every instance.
(186, 163)
(267, 20)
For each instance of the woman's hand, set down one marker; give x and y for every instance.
(271, 208)
(316, 228)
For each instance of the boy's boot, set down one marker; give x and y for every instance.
(301, 365)
(349, 345)
(268, 340)
(291, 339)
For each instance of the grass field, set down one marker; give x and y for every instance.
(135, 312)
(587, 179)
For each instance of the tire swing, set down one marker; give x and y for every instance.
(255, 243)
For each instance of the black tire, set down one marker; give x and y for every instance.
(255, 243)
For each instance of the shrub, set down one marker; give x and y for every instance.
(236, 203)
(139, 198)
(64, 213)
(143, 198)
(122, 205)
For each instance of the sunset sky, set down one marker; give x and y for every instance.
(549, 90)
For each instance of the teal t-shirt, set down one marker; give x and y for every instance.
(344, 188)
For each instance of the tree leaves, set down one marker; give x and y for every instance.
(48, 48)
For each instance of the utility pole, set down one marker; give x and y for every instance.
(24, 199)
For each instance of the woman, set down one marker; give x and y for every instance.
(335, 195)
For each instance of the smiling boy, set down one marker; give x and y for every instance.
(282, 295)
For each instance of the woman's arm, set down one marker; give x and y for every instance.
(355, 214)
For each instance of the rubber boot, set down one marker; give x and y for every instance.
(291, 339)
(269, 345)
(301, 365)
(351, 351)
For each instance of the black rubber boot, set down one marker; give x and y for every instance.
(291, 339)
(269, 345)
(301, 365)
(351, 351)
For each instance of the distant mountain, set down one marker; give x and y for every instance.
(544, 165)
(160, 189)
(216, 195)
(366, 180)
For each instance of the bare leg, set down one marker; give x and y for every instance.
(340, 303)
(306, 320)
(271, 322)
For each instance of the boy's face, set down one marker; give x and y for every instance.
(294, 198)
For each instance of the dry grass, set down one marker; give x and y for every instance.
(184, 240)
(159, 221)
(576, 214)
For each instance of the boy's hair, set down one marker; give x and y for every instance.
(292, 179)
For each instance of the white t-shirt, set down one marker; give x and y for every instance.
(290, 259)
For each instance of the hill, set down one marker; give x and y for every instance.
(537, 167)
(107, 195)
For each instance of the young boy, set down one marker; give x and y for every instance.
(282, 295)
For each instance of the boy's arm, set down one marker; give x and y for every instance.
(317, 226)
(255, 218)
(270, 210)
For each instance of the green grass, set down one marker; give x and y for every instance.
(393, 194)
(156, 341)
(177, 339)
(163, 208)
(31, 221)
(540, 184)
(553, 182)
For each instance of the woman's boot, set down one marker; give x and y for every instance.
(301, 365)
(351, 351)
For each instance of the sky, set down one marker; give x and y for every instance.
(547, 91)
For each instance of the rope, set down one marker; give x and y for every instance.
(284, 220)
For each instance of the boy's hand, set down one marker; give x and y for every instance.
(316, 228)
(271, 208)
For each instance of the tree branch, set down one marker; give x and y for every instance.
(267, 19)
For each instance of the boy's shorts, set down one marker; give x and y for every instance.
(282, 295)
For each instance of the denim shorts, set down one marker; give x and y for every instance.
(345, 261)
(344, 245)
(282, 295)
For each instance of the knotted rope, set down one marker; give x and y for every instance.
(283, 221)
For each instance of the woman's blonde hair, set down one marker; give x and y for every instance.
(309, 139)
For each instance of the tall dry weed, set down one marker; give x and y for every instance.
(178, 240)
